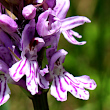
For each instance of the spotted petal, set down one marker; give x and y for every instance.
(78, 85)
(32, 78)
(61, 8)
(19, 69)
(68, 36)
(49, 40)
(86, 82)
(59, 88)
(72, 22)
(35, 78)
(4, 90)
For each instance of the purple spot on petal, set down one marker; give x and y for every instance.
(66, 81)
(57, 88)
(61, 87)
(20, 72)
(74, 87)
(80, 95)
(72, 80)
(3, 95)
(90, 85)
(17, 68)
(86, 93)
(30, 71)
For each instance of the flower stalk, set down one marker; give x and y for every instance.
(40, 102)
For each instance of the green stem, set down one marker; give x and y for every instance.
(40, 102)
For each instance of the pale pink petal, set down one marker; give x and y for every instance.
(42, 23)
(4, 90)
(86, 82)
(79, 92)
(32, 84)
(40, 43)
(28, 33)
(71, 32)
(32, 78)
(43, 83)
(44, 27)
(33, 68)
(58, 90)
(19, 69)
(72, 22)
(59, 54)
(71, 39)
(77, 88)
(61, 8)
(44, 71)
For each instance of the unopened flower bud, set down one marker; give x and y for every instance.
(8, 24)
(29, 12)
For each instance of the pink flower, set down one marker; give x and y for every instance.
(29, 12)
(63, 81)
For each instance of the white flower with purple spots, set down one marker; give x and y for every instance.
(63, 81)
(28, 65)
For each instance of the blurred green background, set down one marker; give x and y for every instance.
(91, 59)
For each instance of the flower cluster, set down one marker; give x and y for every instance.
(34, 27)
